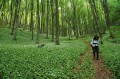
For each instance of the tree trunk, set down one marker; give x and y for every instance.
(42, 17)
(16, 18)
(47, 19)
(13, 25)
(19, 19)
(3, 10)
(104, 4)
(74, 19)
(32, 24)
(69, 30)
(26, 14)
(38, 22)
(11, 8)
(62, 16)
(57, 23)
(52, 20)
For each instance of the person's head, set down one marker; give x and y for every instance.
(96, 37)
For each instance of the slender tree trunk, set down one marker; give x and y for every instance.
(62, 29)
(42, 17)
(69, 30)
(57, 23)
(47, 19)
(16, 17)
(11, 8)
(104, 4)
(3, 9)
(38, 22)
(19, 19)
(26, 14)
(74, 19)
(13, 24)
(32, 24)
(52, 20)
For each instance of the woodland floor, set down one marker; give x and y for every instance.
(101, 72)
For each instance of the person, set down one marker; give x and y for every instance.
(95, 46)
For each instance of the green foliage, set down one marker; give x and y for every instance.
(6, 38)
(114, 34)
(114, 8)
(110, 51)
(22, 59)
(87, 70)
(116, 40)
(111, 57)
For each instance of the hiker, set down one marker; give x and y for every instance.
(95, 46)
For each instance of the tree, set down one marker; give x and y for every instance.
(26, 14)
(17, 7)
(52, 14)
(32, 24)
(74, 19)
(69, 19)
(38, 22)
(47, 19)
(43, 16)
(95, 16)
(104, 4)
(81, 17)
(11, 8)
(3, 2)
(57, 23)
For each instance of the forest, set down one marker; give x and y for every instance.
(51, 39)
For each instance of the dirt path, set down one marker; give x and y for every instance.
(100, 71)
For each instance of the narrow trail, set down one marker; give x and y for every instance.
(100, 71)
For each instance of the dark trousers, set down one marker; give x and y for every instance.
(96, 51)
